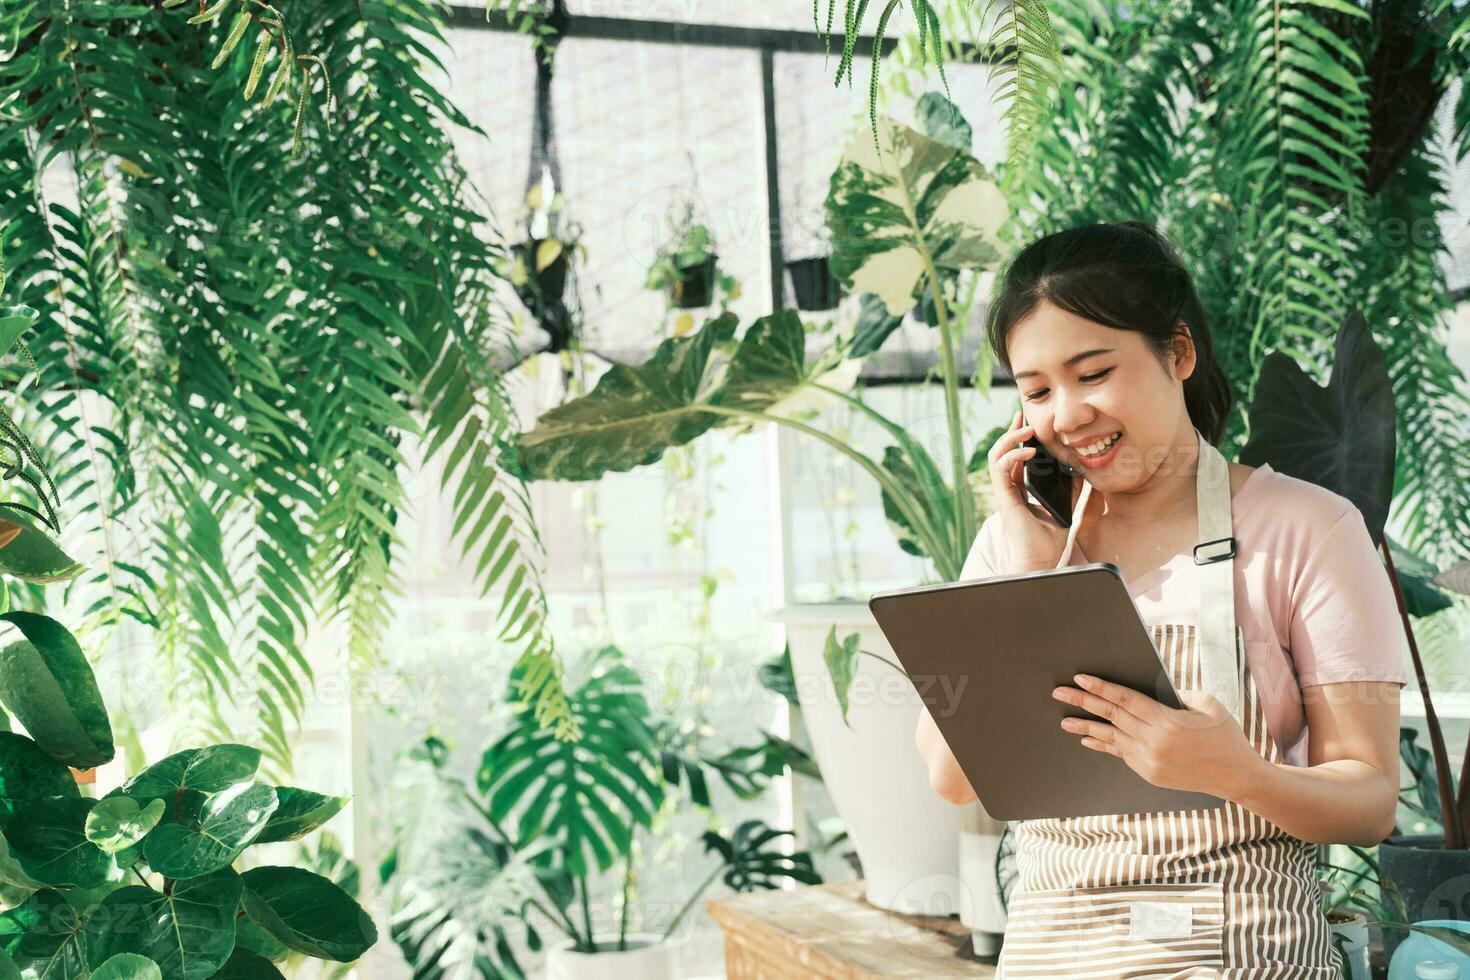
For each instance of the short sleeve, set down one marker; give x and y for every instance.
(1344, 619)
(984, 559)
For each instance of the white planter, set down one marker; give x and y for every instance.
(906, 836)
(1356, 950)
(648, 957)
(980, 904)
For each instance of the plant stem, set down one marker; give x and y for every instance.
(692, 899)
(1454, 829)
(901, 499)
(878, 656)
(565, 922)
(587, 914)
(965, 526)
(623, 916)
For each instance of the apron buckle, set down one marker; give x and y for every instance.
(1209, 559)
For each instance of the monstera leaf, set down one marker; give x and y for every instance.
(753, 862)
(890, 204)
(47, 684)
(1341, 437)
(630, 418)
(590, 795)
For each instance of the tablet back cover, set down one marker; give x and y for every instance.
(985, 656)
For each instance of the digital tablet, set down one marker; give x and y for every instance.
(985, 655)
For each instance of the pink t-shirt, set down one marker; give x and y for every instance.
(1312, 597)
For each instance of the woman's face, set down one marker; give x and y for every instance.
(1082, 383)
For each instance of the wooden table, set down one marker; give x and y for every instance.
(829, 932)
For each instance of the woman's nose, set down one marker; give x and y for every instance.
(1070, 414)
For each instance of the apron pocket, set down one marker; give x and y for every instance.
(1173, 929)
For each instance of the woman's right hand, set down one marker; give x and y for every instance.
(1035, 538)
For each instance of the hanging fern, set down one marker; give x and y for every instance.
(234, 339)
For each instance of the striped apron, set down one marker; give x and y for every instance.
(1217, 893)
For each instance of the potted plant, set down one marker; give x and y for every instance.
(685, 266)
(544, 816)
(636, 412)
(812, 283)
(1300, 428)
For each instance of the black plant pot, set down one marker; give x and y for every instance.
(695, 285)
(540, 288)
(1435, 882)
(813, 283)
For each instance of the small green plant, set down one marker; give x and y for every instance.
(545, 816)
(686, 264)
(140, 884)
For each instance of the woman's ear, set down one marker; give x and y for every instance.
(1184, 356)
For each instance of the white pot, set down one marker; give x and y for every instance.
(906, 836)
(1356, 949)
(648, 957)
(980, 905)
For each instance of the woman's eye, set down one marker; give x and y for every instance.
(1035, 395)
(1098, 376)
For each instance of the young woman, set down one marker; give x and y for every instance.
(1286, 653)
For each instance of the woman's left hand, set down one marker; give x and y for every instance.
(1200, 749)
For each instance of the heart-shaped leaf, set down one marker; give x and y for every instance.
(890, 205)
(300, 812)
(208, 770)
(128, 966)
(226, 825)
(630, 418)
(49, 838)
(117, 822)
(308, 913)
(43, 937)
(188, 932)
(1341, 437)
(48, 686)
(28, 774)
(33, 556)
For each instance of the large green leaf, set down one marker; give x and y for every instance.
(14, 322)
(1416, 581)
(118, 822)
(841, 658)
(188, 931)
(308, 913)
(43, 936)
(1341, 437)
(28, 774)
(586, 796)
(245, 965)
(225, 826)
(49, 838)
(888, 205)
(208, 770)
(33, 556)
(630, 418)
(300, 812)
(128, 966)
(48, 686)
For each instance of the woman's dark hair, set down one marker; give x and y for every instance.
(1124, 275)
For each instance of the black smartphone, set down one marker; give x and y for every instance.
(1049, 482)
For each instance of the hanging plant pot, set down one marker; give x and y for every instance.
(545, 286)
(693, 286)
(813, 283)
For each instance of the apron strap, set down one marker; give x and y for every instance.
(1215, 555)
(1220, 668)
